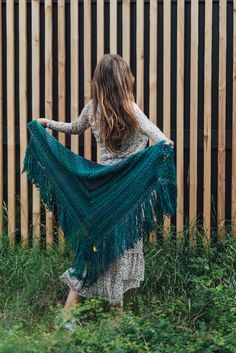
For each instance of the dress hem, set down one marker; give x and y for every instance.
(65, 280)
(89, 296)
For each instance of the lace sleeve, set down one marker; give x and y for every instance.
(147, 127)
(75, 127)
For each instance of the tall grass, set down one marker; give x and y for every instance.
(185, 304)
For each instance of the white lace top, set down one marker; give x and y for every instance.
(128, 270)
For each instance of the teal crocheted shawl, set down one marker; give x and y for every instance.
(103, 210)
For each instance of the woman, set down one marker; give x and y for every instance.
(120, 128)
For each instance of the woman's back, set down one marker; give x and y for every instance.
(146, 129)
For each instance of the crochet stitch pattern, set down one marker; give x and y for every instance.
(103, 210)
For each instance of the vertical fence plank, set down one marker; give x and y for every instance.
(100, 43)
(166, 67)
(113, 26)
(10, 120)
(207, 120)
(74, 74)
(221, 118)
(152, 64)
(1, 129)
(166, 85)
(126, 30)
(87, 73)
(193, 118)
(233, 210)
(35, 106)
(140, 53)
(61, 67)
(152, 73)
(23, 119)
(100, 29)
(180, 116)
(61, 80)
(48, 97)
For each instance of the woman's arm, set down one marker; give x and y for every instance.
(77, 126)
(148, 128)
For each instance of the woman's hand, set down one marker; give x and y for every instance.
(43, 121)
(170, 142)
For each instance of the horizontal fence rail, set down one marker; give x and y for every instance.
(183, 56)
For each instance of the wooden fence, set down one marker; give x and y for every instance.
(183, 55)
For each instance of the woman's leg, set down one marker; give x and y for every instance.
(72, 299)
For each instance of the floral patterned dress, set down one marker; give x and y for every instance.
(128, 270)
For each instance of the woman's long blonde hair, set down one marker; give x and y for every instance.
(112, 91)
